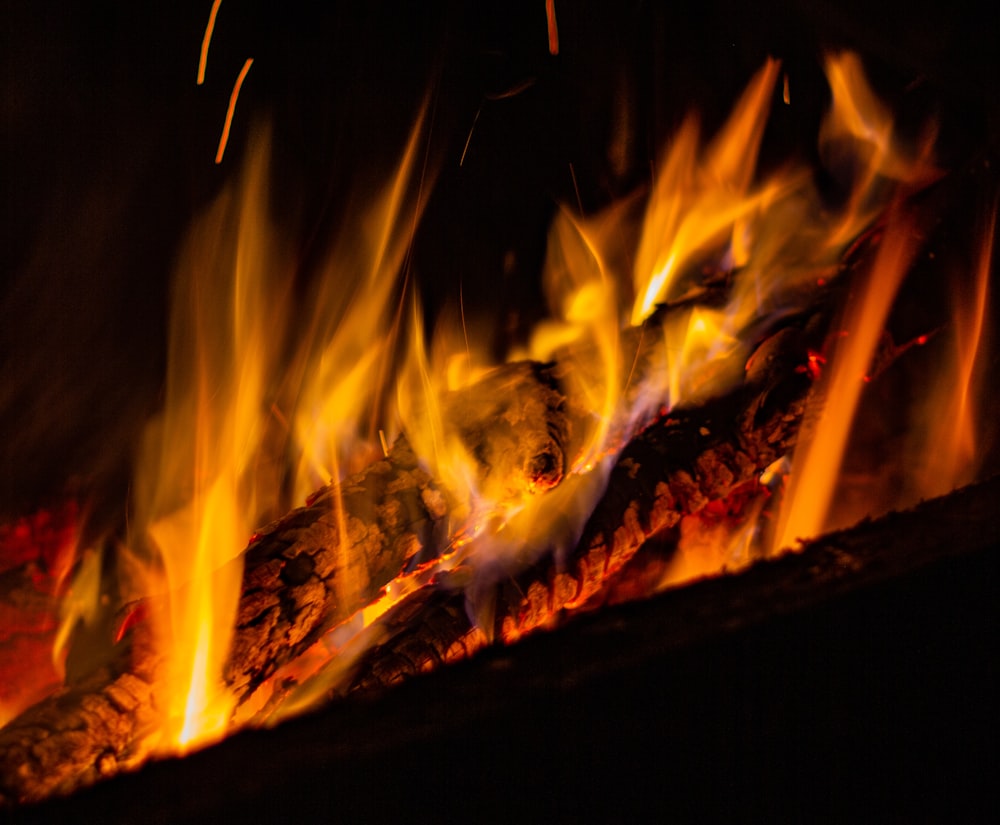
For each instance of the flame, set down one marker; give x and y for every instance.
(817, 459)
(424, 380)
(729, 252)
(946, 454)
(697, 201)
(80, 604)
(860, 130)
(207, 474)
(584, 299)
(348, 346)
(197, 495)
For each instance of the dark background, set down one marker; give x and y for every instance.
(108, 147)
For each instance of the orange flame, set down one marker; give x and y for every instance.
(817, 459)
(346, 351)
(946, 453)
(860, 128)
(197, 496)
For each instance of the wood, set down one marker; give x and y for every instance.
(302, 574)
(321, 563)
(674, 468)
(81, 733)
(831, 681)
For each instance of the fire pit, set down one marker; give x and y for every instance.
(624, 425)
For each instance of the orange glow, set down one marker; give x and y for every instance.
(553, 28)
(224, 138)
(206, 40)
(37, 555)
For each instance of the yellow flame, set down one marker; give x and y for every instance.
(347, 350)
(697, 201)
(198, 497)
(420, 390)
(585, 301)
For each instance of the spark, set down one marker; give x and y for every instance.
(384, 443)
(512, 91)
(465, 330)
(232, 106)
(206, 40)
(280, 417)
(468, 140)
(579, 202)
(550, 17)
(785, 93)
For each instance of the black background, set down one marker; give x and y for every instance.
(108, 149)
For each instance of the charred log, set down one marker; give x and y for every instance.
(673, 468)
(323, 562)
(83, 732)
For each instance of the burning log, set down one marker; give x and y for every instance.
(82, 732)
(321, 563)
(302, 574)
(672, 469)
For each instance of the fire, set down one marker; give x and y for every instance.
(947, 449)
(818, 459)
(267, 400)
(208, 473)
(339, 375)
(699, 200)
(200, 488)
(710, 224)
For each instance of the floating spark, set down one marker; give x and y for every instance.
(206, 40)
(232, 106)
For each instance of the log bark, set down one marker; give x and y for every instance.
(84, 732)
(322, 562)
(302, 574)
(673, 468)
